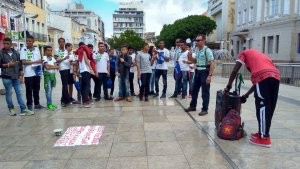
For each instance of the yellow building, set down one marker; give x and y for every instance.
(37, 26)
(76, 34)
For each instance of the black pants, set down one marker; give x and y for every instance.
(145, 86)
(162, 73)
(131, 77)
(97, 90)
(65, 76)
(102, 80)
(32, 85)
(266, 95)
(112, 77)
(85, 86)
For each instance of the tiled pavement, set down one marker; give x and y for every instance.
(153, 135)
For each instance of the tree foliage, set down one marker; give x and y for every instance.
(129, 38)
(188, 27)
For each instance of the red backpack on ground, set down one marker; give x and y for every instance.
(231, 127)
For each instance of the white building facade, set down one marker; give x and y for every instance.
(223, 13)
(130, 16)
(270, 26)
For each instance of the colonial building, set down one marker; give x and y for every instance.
(94, 31)
(130, 16)
(150, 38)
(270, 26)
(223, 13)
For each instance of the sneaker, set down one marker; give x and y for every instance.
(190, 95)
(51, 107)
(87, 105)
(39, 107)
(163, 96)
(190, 109)
(156, 95)
(97, 99)
(141, 97)
(26, 112)
(173, 97)
(74, 101)
(203, 113)
(263, 142)
(118, 99)
(129, 99)
(146, 99)
(108, 98)
(64, 105)
(255, 135)
(133, 94)
(30, 108)
(12, 112)
(183, 98)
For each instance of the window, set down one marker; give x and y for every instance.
(270, 44)
(239, 18)
(273, 8)
(251, 14)
(42, 4)
(27, 24)
(38, 27)
(33, 26)
(286, 8)
(298, 42)
(245, 16)
(250, 44)
(238, 47)
(264, 44)
(43, 29)
(277, 44)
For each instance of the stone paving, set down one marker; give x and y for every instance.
(153, 135)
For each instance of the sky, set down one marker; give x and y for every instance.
(157, 12)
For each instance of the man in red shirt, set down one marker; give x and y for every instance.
(266, 79)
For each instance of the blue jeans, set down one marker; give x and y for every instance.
(152, 81)
(182, 83)
(48, 93)
(162, 73)
(15, 83)
(200, 81)
(191, 82)
(124, 86)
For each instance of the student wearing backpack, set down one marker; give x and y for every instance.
(203, 74)
(266, 79)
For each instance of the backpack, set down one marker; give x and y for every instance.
(231, 127)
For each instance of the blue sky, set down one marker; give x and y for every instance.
(157, 12)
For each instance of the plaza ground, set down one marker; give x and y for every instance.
(149, 135)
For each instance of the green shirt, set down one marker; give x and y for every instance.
(201, 60)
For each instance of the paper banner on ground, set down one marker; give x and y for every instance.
(80, 135)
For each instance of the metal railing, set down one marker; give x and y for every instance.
(290, 73)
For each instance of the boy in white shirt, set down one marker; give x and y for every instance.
(31, 61)
(73, 74)
(103, 71)
(62, 57)
(49, 76)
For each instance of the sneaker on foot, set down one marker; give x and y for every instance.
(87, 105)
(26, 112)
(173, 97)
(255, 135)
(74, 101)
(190, 95)
(133, 94)
(141, 97)
(263, 142)
(163, 96)
(12, 112)
(146, 99)
(108, 98)
(51, 107)
(190, 109)
(118, 99)
(183, 98)
(38, 107)
(97, 99)
(156, 95)
(129, 99)
(203, 113)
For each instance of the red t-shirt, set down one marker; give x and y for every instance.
(260, 65)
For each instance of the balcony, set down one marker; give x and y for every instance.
(39, 37)
(214, 7)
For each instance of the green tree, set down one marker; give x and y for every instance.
(129, 38)
(188, 27)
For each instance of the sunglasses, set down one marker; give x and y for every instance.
(177, 42)
(199, 40)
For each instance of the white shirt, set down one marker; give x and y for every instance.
(51, 62)
(184, 57)
(162, 54)
(71, 59)
(27, 55)
(132, 69)
(61, 54)
(102, 60)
